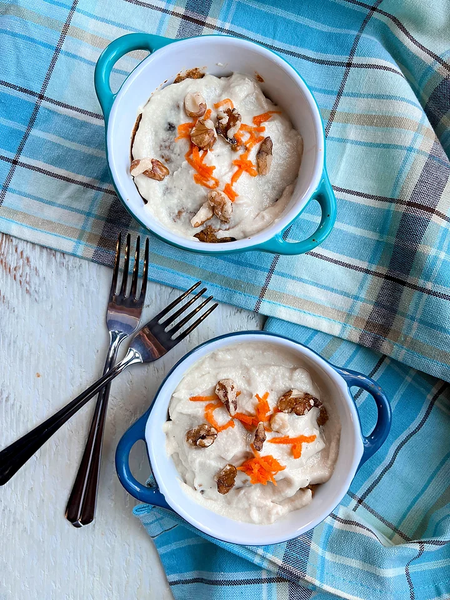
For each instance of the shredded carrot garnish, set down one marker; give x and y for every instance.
(261, 469)
(207, 114)
(264, 117)
(262, 408)
(296, 442)
(246, 419)
(236, 176)
(222, 102)
(184, 130)
(245, 165)
(228, 190)
(203, 398)
(209, 416)
(203, 176)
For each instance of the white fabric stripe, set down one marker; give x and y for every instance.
(55, 138)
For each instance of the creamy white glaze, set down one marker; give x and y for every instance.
(174, 201)
(255, 368)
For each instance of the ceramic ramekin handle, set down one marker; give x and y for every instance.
(378, 435)
(140, 491)
(111, 54)
(325, 197)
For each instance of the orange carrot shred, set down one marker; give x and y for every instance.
(184, 130)
(207, 114)
(209, 416)
(262, 408)
(264, 117)
(297, 442)
(222, 102)
(261, 469)
(228, 190)
(203, 398)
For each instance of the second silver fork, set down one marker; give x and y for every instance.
(122, 319)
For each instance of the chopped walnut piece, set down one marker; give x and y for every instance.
(209, 235)
(150, 167)
(279, 423)
(221, 205)
(260, 437)
(189, 74)
(204, 214)
(202, 436)
(203, 134)
(225, 479)
(301, 403)
(228, 123)
(194, 105)
(264, 156)
(323, 416)
(227, 394)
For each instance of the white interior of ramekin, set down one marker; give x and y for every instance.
(218, 56)
(327, 495)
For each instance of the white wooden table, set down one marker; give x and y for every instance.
(52, 344)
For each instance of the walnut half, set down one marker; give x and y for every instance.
(221, 205)
(301, 403)
(194, 105)
(226, 478)
(227, 394)
(203, 134)
(150, 167)
(264, 156)
(202, 436)
(260, 437)
(228, 124)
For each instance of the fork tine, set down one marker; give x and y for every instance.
(174, 303)
(116, 267)
(195, 324)
(123, 289)
(145, 272)
(188, 317)
(181, 310)
(134, 280)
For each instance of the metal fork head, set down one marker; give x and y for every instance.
(124, 309)
(156, 338)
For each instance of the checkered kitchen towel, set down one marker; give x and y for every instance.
(389, 539)
(381, 75)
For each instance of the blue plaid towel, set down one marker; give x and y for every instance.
(377, 290)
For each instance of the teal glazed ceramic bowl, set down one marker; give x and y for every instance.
(354, 447)
(219, 56)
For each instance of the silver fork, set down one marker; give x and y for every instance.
(148, 344)
(122, 319)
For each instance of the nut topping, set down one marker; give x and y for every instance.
(226, 479)
(301, 403)
(279, 423)
(150, 167)
(203, 134)
(202, 436)
(221, 205)
(209, 235)
(260, 437)
(264, 156)
(194, 105)
(204, 214)
(226, 391)
(228, 123)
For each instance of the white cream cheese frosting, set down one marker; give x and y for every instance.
(255, 369)
(175, 200)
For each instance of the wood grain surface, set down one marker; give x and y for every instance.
(53, 342)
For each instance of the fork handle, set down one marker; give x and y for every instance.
(80, 508)
(19, 452)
